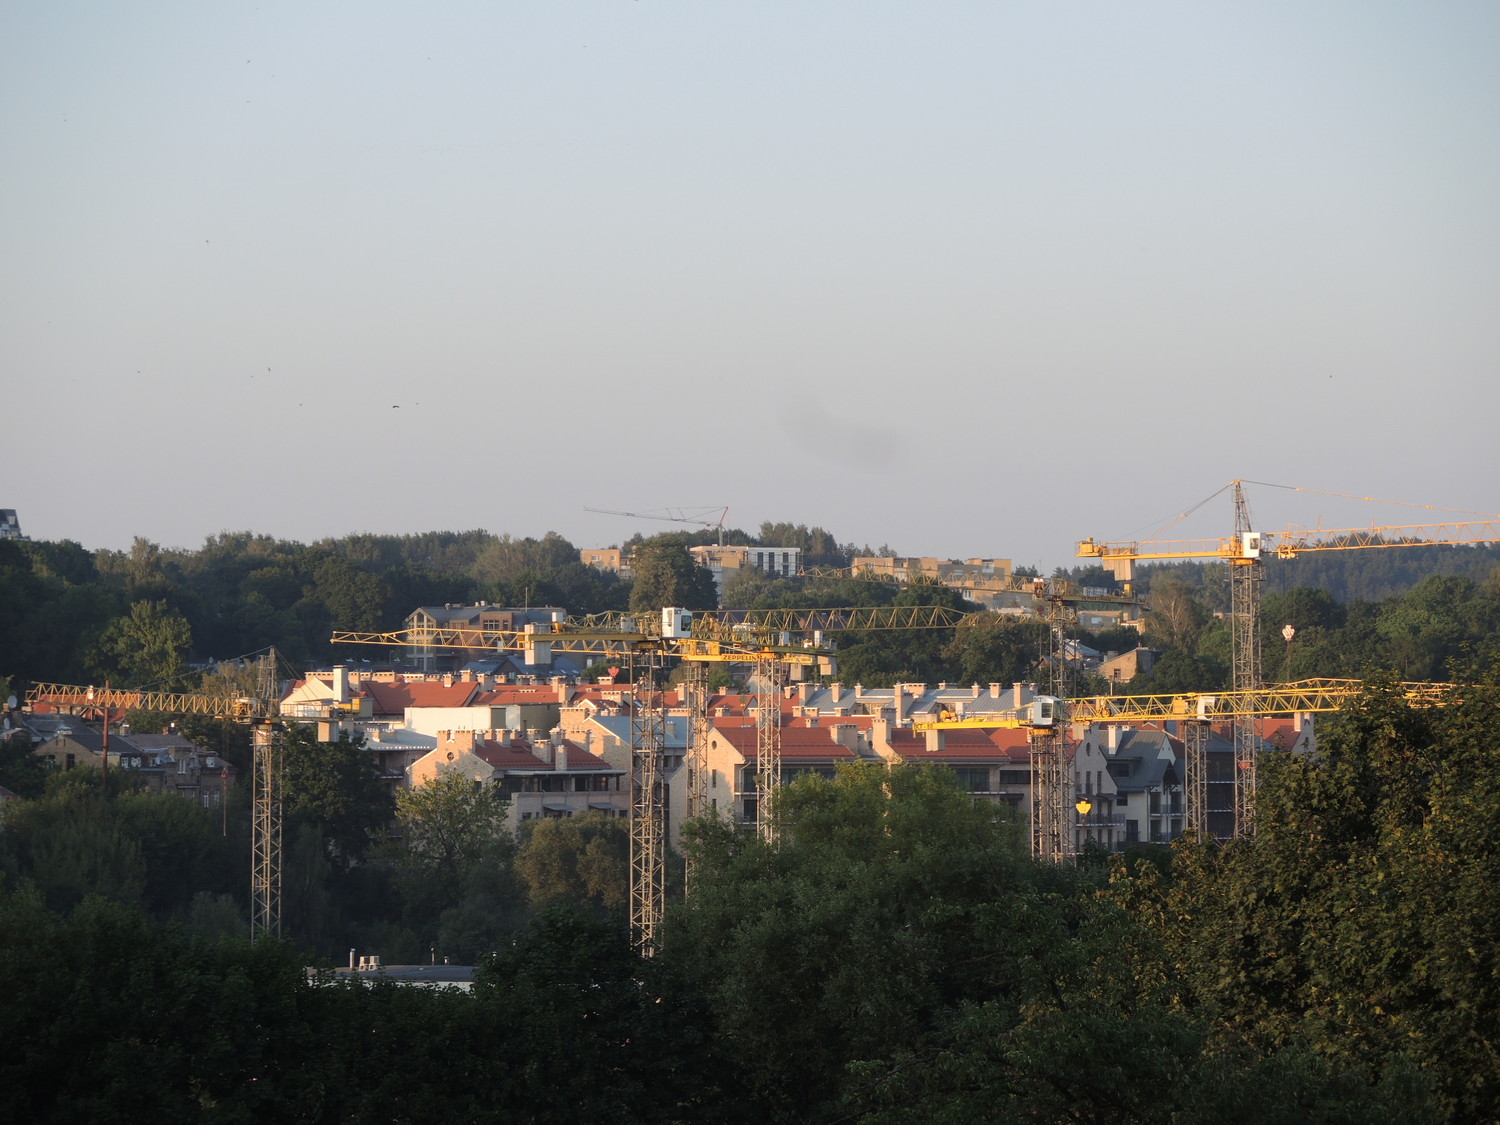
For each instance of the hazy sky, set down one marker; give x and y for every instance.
(970, 279)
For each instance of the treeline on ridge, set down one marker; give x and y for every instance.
(145, 616)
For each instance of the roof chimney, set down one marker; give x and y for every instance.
(846, 735)
(899, 695)
(936, 741)
(835, 691)
(1017, 695)
(340, 684)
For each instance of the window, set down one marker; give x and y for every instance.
(973, 779)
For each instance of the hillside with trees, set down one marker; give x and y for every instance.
(152, 616)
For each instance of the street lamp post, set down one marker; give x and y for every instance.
(1084, 807)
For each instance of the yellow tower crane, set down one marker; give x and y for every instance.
(1194, 712)
(262, 712)
(1244, 552)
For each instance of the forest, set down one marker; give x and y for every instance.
(157, 617)
(893, 957)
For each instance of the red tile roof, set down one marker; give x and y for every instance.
(393, 698)
(621, 693)
(963, 746)
(798, 744)
(515, 755)
(518, 755)
(503, 694)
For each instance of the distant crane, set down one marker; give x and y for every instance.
(676, 515)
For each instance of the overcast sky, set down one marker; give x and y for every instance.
(969, 279)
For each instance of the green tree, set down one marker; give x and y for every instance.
(879, 658)
(853, 935)
(1176, 616)
(146, 647)
(667, 575)
(449, 826)
(21, 771)
(581, 860)
(1362, 918)
(351, 598)
(337, 787)
(1441, 620)
(996, 649)
(504, 560)
(601, 1034)
(70, 844)
(818, 546)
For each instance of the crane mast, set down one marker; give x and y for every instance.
(697, 756)
(767, 746)
(1244, 618)
(265, 832)
(648, 813)
(1051, 826)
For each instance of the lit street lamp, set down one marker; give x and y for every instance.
(1084, 807)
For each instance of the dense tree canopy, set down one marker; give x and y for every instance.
(1363, 918)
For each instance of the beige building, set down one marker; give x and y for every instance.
(610, 559)
(553, 777)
